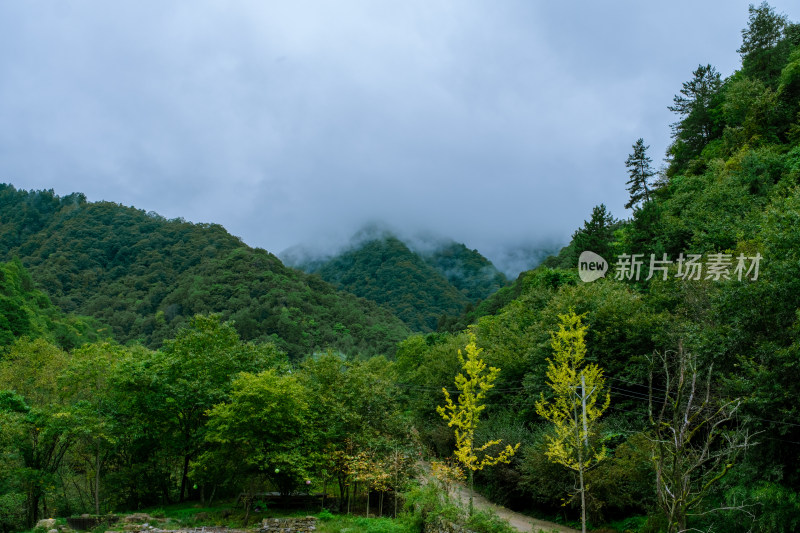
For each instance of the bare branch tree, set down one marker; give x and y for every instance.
(696, 437)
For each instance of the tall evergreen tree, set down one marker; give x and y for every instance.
(763, 52)
(694, 104)
(640, 172)
(597, 233)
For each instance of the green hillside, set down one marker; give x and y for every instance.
(467, 270)
(387, 272)
(660, 397)
(730, 196)
(27, 312)
(145, 276)
(420, 286)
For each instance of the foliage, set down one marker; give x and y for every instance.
(260, 432)
(639, 170)
(574, 410)
(146, 276)
(354, 524)
(424, 364)
(35, 421)
(88, 424)
(27, 311)
(387, 272)
(488, 522)
(764, 46)
(696, 103)
(695, 440)
(464, 416)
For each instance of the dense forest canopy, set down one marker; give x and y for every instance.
(701, 429)
(145, 277)
(419, 287)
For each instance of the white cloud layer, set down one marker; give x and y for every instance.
(499, 124)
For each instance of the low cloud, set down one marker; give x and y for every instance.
(499, 126)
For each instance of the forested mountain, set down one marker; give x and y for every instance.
(145, 276)
(418, 286)
(467, 270)
(715, 298)
(693, 332)
(27, 311)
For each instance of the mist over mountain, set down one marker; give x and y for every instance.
(145, 277)
(421, 278)
(509, 258)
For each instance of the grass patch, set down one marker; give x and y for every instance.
(360, 524)
(226, 514)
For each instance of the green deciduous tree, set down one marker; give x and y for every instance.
(260, 434)
(194, 372)
(465, 414)
(574, 409)
(38, 423)
(85, 381)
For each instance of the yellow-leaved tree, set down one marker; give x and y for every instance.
(464, 415)
(574, 408)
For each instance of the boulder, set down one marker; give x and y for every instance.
(47, 523)
(138, 518)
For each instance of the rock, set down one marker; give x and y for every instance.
(52, 531)
(282, 525)
(47, 523)
(138, 518)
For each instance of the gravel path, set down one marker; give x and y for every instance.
(519, 521)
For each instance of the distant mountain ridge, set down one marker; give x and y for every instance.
(146, 276)
(419, 282)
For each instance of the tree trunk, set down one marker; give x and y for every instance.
(583, 497)
(33, 507)
(97, 481)
(247, 510)
(342, 492)
(580, 471)
(184, 477)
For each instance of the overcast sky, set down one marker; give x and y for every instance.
(497, 123)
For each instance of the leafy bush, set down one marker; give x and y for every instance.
(325, 515)
(358, 524)
(488, 522)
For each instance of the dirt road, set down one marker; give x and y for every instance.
(519, 521)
